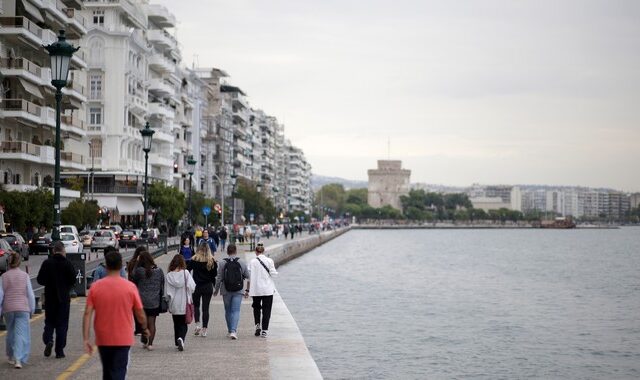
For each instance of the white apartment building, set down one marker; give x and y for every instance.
(27, 107)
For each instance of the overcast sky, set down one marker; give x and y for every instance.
(531, 92)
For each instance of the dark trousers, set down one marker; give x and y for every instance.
(203, 293)
(179, 327)
(262, 303)
(115, 360)
(56, 318)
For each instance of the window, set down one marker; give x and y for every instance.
(96, 148)
(95, 116)
(98, 17)
(95, 83)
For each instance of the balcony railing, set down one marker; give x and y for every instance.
(73, 121)
(72, 157)
(20, 147)
(76, 86)
(21, 105)
(110, 189)
(21, 64)
(21, 22)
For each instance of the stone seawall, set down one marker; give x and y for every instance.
(286, 251)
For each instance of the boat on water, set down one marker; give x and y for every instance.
(558, 223)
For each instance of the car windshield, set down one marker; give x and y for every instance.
(9, 238)
(67, 237)
(102, 234)
(66, 229)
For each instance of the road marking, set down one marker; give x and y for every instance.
(75, 366)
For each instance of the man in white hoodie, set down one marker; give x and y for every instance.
(261, 287)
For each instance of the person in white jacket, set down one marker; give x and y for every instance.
(179, 287)
(261, 288)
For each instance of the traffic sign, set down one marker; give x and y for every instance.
(206, 210)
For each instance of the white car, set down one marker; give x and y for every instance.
(72, 243)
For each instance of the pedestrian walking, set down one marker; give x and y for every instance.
(185, 249)
(112, 300)
(179, 287)
(58, 276)
(229, 282)
(131, 266)
(204, 269)
(285, 230)
(222, 235)
(209, 240)
(101, 270)
(149, 280)
(17, 304)
(261, 288)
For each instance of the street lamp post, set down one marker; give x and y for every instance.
(221, 199)
(60, 53)
(234, 179)
(259, 190)
(147, 136)
(191, 164)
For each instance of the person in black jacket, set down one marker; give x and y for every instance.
(204, 269)
(58, 277)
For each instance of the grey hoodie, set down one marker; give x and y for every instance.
(175, 290)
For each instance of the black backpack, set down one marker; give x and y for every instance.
(232, 276)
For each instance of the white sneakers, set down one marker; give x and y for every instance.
(263, 334)
(233, 335)
(203, 332)
(198, 330)
(180, 344)
(18, 365)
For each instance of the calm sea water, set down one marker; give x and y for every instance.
(479, 304)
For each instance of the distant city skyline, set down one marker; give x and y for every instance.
(469, 92)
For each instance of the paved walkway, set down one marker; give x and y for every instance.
(282, 355)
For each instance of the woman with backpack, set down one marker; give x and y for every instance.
(230, 281)
(150, 282)
(179, 287)
(204, 269)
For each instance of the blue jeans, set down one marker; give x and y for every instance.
(18, 340)
(115, 361)
(232, 304)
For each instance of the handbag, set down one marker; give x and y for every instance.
(189, 311)
(164, 302)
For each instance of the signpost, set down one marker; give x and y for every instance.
(206, 210)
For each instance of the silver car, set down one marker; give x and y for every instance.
(103, 239)
(71, 242)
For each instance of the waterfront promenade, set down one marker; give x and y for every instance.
(282, 355)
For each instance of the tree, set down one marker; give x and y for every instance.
(27, 209)
(255, 203)
(81, 213)
(168, 202)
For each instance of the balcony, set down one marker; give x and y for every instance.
(22, 110)
(161, 64)
(162, 110)
(25, 33)
(39, 154)
(72, 160)
(160, 160)
(137, 104)
(163, 136)
(73, 121)
(132, 12)
(160, 16)
(21, 67)
(162, 38)
(55, 14)
(161, 87)
(77, 24)
(76, 90)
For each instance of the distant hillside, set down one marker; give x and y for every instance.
(317, 181)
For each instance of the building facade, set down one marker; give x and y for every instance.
(387, 183)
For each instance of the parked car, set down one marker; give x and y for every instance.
(40, 243)
(103, 239)
(71, 242)
(85, 237)
(128, 238)
(17, 243)
(4, 255)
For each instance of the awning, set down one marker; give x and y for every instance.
(109, 202)
(32, 10)
(130, 206)
(30, 88)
